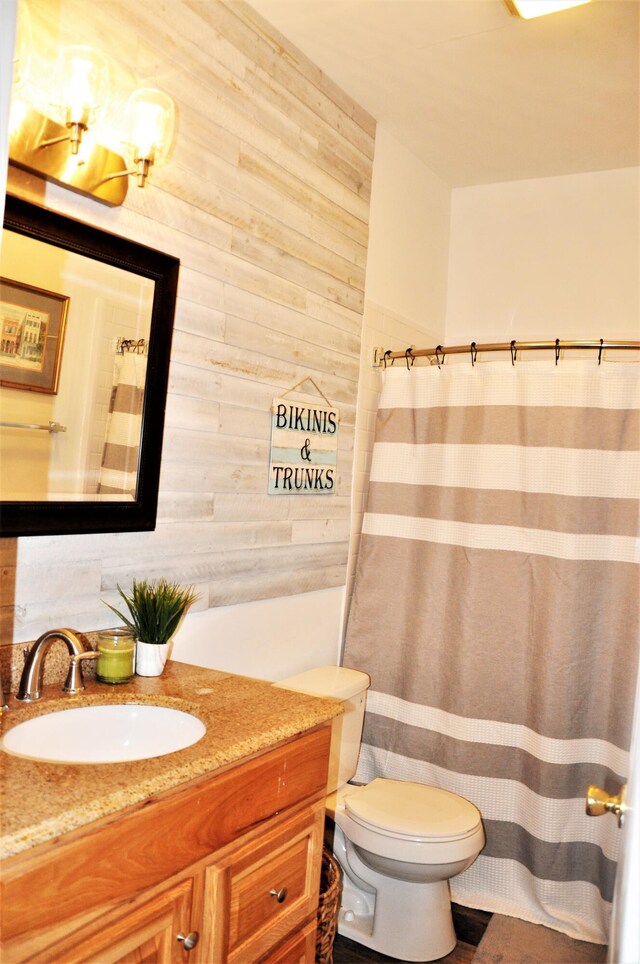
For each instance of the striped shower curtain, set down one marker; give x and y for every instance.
(119, 470)
(496, 611)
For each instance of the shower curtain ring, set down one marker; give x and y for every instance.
(438, 359)
(557, 350)
(385, 356)
(514, 351)
(474, 354)
(409, 355)
(600, 351)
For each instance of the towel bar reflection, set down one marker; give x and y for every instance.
(51, 427)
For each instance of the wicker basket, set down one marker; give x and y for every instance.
(330, 892)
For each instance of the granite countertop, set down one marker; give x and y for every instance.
(244, 716)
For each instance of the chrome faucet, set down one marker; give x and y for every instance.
(31, 679)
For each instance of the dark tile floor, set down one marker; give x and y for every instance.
(507, 941)
(469, 924)
(348, 952)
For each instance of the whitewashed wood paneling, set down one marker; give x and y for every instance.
(266, 203)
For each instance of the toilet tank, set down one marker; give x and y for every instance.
(350, 687)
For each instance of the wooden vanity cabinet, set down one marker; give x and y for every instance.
(234, 859)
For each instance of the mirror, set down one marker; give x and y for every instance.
(86, 319)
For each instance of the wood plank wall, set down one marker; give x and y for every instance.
(266, 203)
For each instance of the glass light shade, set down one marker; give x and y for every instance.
(17, 114)
(528, 9)
(82, 85)
(149, 125)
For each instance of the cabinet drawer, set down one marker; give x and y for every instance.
(266, 890)
(271, 891)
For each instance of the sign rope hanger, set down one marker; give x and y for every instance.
(303, 381)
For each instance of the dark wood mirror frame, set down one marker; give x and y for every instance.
(58, 518)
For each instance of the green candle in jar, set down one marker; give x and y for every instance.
(116, 660)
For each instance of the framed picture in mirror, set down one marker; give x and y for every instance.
(32, 323)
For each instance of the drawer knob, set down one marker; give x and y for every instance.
(280, 895)
(188, 941)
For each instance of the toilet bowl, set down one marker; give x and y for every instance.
(398, 842)
(403, 841)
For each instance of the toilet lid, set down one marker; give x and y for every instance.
(412, 810)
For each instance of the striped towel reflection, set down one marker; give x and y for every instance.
(119, 471)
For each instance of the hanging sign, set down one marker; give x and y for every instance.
(304, 448)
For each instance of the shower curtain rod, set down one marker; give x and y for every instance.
(382, 357)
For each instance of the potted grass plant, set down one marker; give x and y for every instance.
(154, 611)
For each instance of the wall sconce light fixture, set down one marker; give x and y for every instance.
(150, 125)
(82, 90)
(54, 147)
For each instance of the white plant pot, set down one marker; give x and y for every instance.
(150, 658)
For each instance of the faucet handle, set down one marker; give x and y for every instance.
(74, 683)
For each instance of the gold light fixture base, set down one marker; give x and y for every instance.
(41, 146)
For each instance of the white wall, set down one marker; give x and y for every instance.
(268, 639)
(7, 30)
(408, 237)
(542, 259)
(405, 289)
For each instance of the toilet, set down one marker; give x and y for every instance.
(398, 842)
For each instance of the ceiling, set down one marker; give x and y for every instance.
(477, 94)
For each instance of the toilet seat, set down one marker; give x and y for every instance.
(412, 811)
(432, 826)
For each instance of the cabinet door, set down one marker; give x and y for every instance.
(264, 891)
(299, 949)
(146, 935)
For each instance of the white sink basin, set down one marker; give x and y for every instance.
(113, 733)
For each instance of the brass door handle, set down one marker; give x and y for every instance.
(599, 802)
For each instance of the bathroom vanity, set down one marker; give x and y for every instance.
(210, 854)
